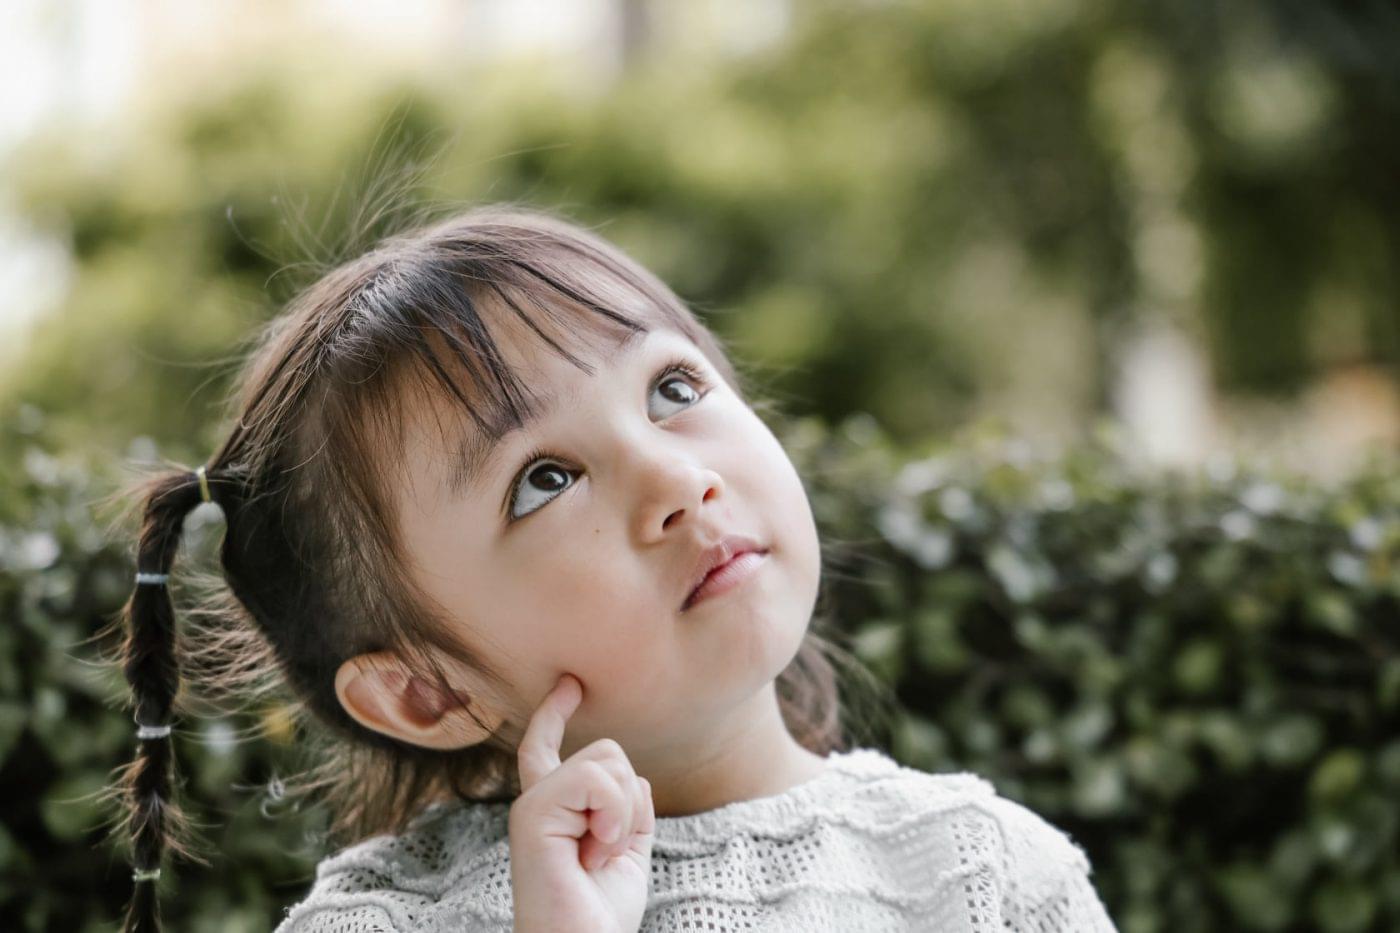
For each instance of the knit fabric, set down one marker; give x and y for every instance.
(866, 845)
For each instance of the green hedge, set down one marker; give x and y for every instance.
(1197, 676)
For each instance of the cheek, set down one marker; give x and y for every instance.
(595, 616)
(786, 506)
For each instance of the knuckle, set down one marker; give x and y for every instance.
(609, 747)
(620, 770)
(594, 772)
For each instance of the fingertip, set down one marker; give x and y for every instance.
(567, 695)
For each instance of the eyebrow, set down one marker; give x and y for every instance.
(474, 453)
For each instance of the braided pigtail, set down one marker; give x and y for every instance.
(150, 661)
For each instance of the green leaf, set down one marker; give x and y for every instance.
(1387, 764)
(1343, 905)
(879, 645)
(1291, 739)
(938, 645)
(1198, 666)
(919, 742)
(1257, 898)
(1227, 738)
(69, 808)
(1338, 775)
(13, 717)
(1388, 685)
(1087, 725)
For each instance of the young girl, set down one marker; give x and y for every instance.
(503, 519)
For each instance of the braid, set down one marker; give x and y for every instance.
(151, 664)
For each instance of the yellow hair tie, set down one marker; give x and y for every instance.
(203, 484)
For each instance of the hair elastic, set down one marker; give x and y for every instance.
(144, 731)
(145, 874)
(160, 578)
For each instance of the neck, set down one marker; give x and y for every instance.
(754, 756)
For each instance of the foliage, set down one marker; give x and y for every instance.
(981, 198)
(1195, 674)
(63, 731)
(1197, 677)
(904, 212)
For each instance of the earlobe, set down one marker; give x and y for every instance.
(379, 693)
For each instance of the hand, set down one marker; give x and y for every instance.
(565, 874)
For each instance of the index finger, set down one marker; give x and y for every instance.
(538, 754)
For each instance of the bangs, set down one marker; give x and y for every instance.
(501, 403)
(417, 354)
(454, 380)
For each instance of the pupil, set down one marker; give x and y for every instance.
(686, 394)
(547, 470)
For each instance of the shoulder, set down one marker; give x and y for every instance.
(1045, 875)
(397, 882)
(1037, 857)
(1027, 868)
(1022, 839)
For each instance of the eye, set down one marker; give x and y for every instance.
(543, 473)
(693, 392)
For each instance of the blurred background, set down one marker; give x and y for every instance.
(1176, 226)
(1185, 218)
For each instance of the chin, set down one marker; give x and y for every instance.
(782, 636)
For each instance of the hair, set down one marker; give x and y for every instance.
(311, 555)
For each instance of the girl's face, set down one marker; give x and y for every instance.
(579, 560)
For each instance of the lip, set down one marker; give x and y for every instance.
(715, 559)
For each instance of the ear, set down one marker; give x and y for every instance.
(378, 691)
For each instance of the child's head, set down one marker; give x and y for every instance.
(485, 453)
(570, 543)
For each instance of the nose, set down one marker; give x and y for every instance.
(670, 491)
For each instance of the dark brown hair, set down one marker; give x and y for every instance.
(310, 553)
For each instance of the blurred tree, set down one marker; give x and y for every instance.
(920, 211)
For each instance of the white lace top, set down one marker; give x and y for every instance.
(867, 845)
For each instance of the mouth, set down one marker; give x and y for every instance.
(730, 563)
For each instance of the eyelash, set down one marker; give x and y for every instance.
(679, 365)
